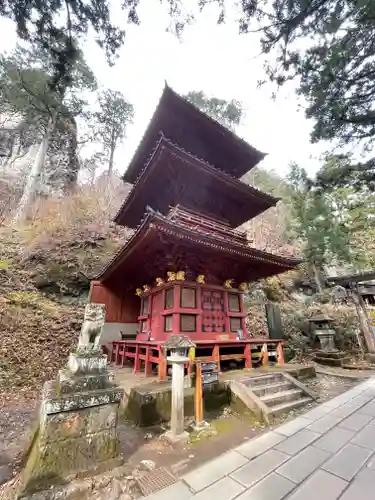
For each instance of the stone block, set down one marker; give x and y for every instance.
(362, 487)
(334, 439)
(178, 491)
(68, 384)
(347, 462)
(85, 362)
(257, 469)
(293, 426)
(213, 471)
(69, 424)
(368, 409)
(297, 442)
(302, 465)
(51, 462)
(273, 487)
(321, 485)
(225, 489)
(55, 403)
(255, 447)
(366, 437)
(318, 412)
(355, 422)
(324, 424)
(343, 411)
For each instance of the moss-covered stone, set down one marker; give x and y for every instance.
(151, 404)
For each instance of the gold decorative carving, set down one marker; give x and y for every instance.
(146, 288)
(201, 279)
(171, 276)
(138, 292)
(180, 276)
(159, 281)
(244, 287)
(228, 283)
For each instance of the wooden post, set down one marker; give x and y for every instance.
(280, 354)
(248, 362)
(162, 366)
(265, 355)
(198, 394)
(216, 356)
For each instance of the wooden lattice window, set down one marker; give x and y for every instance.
(168, 323)
(169, 298)
(188, 298)
(235, 324)
(234, 302)
(145, 305)
(144, 326)
(188, 322)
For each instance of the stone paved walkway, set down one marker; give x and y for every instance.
(326, 454)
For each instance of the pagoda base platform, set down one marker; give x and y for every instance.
(150, 358)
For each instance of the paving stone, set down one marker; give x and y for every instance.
(368, 409)
(293, 426)
(273, 487)
(178, 490)
(362, 487)
(366, 437)
(302, 465)
(361, 400)
(225, 489)
(321, 485)
(297, 442)
(255, 447)
(257, 469)
(343, 411)
(355, 422)
(324, 424)
(335, 439)
(318, 412)
(213, 471)
(347, 462)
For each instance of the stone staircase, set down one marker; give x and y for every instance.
(271, 394)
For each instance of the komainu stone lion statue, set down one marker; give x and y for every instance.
(92, 326)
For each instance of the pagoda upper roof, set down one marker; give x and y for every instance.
(162, 243)
(174, 176)
(193, 130)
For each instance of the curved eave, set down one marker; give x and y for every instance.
(262, 201)
(156, 223)
(170, 102)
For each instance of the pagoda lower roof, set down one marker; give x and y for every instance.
(186, 125)
(162, 244)
(174, 176)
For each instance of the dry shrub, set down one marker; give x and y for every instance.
(69, 239)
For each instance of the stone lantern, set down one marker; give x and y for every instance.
(328, 354)
(321, 325)
(178, 345)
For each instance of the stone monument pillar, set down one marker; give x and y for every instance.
(77, 429)
(178, 346)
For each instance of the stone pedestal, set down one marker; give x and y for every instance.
(77, 430)
(328, 354)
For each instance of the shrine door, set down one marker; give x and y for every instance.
(213, 314)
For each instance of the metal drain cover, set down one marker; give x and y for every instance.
(156, 481)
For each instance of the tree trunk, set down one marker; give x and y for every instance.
(32, 180)
(110, 163)
(317, 278)
(364, 321)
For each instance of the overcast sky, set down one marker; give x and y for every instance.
(210, 57)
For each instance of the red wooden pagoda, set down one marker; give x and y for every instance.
(185, 268)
